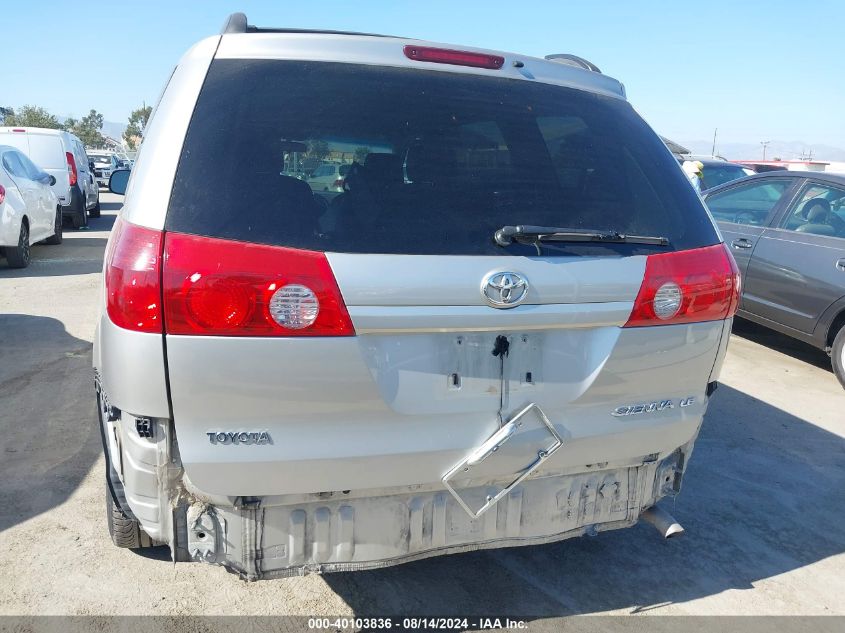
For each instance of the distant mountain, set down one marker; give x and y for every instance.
(785, 150)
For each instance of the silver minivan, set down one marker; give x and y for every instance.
(503, 331)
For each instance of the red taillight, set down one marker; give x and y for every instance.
(226, 288)
(457, 58)
(133, 266)
(71, 168)
(687, 286)
(2, 194)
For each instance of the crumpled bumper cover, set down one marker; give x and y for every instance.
(339, 533)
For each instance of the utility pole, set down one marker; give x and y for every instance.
(713, 151)
(764, 144)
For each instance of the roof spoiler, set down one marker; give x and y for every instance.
(572, 60)
(237, 23)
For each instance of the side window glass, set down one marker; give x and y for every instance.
(12, 163)
(31, 171)
(820, 210)
(747, 204)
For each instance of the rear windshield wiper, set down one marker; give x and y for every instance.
(525, 234)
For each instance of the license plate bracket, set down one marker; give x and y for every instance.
(510, 455)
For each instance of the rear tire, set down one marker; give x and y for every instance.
(81, 219)
(95, 212)
(124, 531)
(56, 237)
(20, 255)
(837, 355)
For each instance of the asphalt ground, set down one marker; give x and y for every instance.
(763, 501)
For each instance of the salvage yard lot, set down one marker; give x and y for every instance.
(763, 502)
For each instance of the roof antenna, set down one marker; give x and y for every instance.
(235, 23)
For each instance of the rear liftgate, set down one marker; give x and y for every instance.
(511, 454)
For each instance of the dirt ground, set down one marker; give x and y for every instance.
(763, 502)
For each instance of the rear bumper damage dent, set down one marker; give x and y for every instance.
(267, 537)
(257, 541)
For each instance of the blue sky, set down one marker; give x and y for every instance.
(756, 69)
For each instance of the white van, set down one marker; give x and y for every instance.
(60, 154)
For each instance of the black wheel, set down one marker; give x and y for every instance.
(837, 355)
(124, 531)
(56, 237)
(95, 212)
(19, 256)
(81, 219)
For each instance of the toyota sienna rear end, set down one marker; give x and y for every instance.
(502, 330)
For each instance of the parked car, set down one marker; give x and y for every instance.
(60, 154)
(504, 335)
(29, 209)
(329, 177)
(104, 164)
(762, 167)
(787, 233)
(716, 172)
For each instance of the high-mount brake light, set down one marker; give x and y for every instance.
(71, 168)
(220, 287)
(133, 266)
(702, 284)
(456, 58)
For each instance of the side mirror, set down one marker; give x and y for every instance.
(118, 181)
(91, 165)
(51, 180)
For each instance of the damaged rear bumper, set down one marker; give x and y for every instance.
(266, 537)
(345, 533)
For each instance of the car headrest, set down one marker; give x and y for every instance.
(293, 188)
(430, 163)
(383, 169)
(817, 210)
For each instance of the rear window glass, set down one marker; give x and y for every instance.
(720, 174)
(46, 151)
(366, 159)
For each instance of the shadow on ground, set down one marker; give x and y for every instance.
(48, 434)
(782, 343)
(111, 206)
(761, 494)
